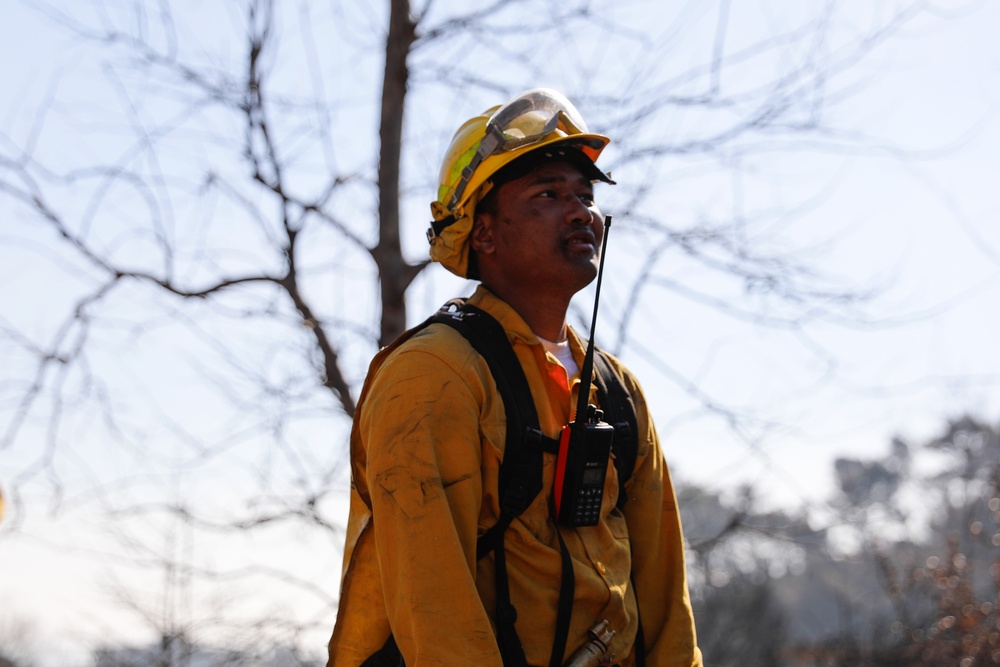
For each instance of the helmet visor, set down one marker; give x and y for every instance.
(532, 116)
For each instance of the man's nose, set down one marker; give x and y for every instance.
(578, 212)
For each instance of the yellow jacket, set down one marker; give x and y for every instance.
(426, 448)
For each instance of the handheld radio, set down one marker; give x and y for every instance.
(585, 443)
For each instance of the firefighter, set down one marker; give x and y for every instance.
(516, 210)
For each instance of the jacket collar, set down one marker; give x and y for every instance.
(509, 319)
(514, 324)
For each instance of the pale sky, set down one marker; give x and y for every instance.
(915, 215)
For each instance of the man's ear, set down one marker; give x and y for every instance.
(482, 234)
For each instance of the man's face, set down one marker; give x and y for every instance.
(545, 232)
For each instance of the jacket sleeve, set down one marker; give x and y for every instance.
(421, 429)
(658, 568)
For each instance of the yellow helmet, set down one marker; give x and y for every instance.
(486, 143)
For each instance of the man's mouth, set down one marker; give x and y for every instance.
(581, 241)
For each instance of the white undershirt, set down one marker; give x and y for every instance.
(561, 352)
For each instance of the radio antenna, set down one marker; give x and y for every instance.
(583, 399)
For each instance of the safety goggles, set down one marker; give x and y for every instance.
(524, 121)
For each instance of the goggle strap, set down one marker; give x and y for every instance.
(489, 145)
(513, 110)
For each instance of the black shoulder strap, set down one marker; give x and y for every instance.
(521, 468)
(619, 411)
(520, 474)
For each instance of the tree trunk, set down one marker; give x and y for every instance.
(394, 273)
